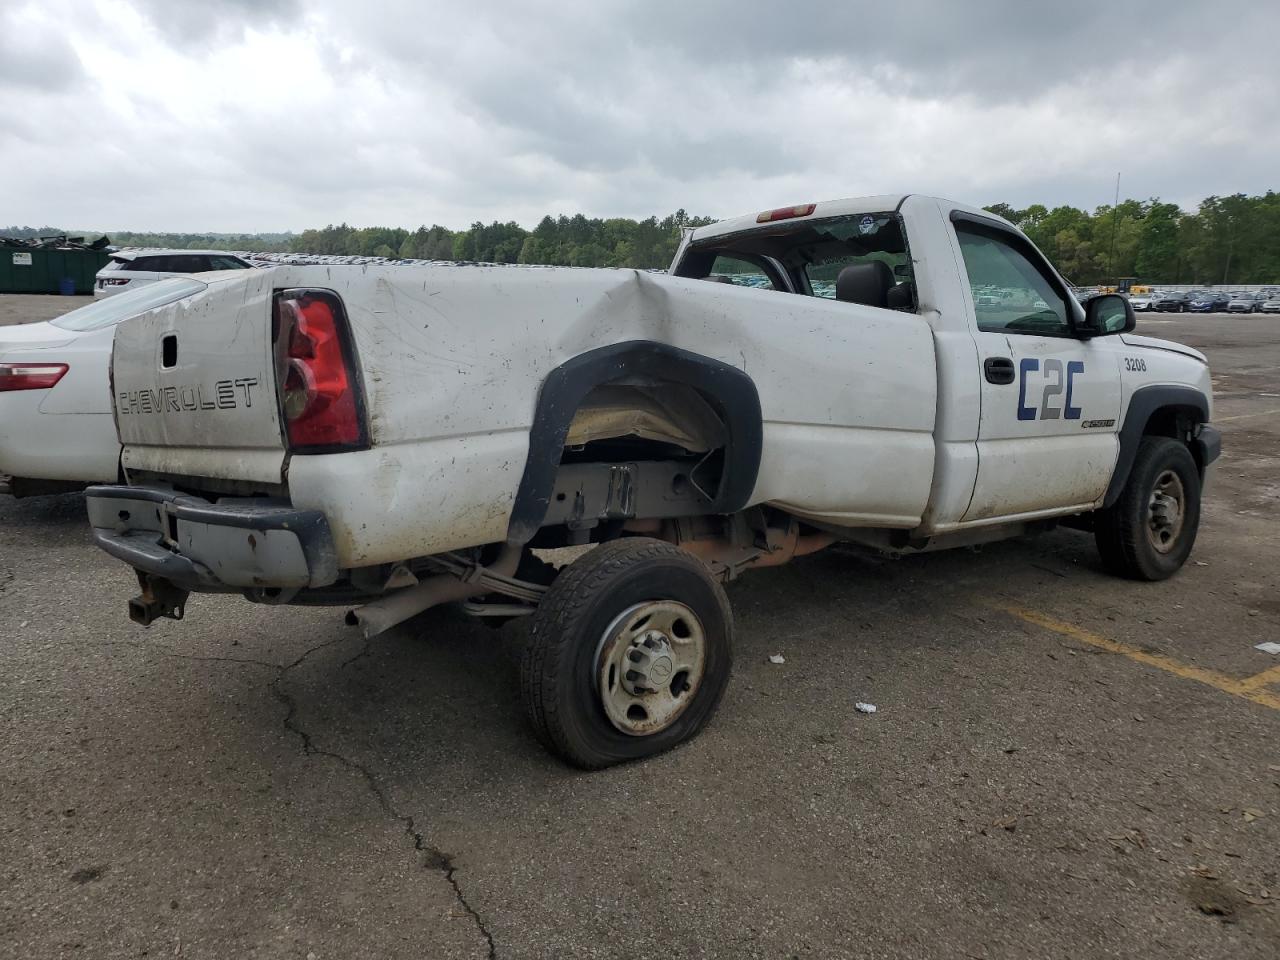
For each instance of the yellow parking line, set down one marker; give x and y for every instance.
(1247, 689)
(1246, 416)
(1263, 679)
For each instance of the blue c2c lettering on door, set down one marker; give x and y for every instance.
(1056, 378)
(1073, 367)
(1025, 366)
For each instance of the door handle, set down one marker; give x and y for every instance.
(998, 369)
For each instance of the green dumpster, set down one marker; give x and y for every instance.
(42, 269)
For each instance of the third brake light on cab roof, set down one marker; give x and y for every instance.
(786, 213)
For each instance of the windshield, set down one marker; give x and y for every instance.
(122, 306)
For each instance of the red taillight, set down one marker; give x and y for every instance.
(786, 213)
(319, 395)
(30, 376)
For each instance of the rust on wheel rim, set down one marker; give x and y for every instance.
(1166, 511)
(649, 664)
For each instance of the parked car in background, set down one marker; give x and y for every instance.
(1142, 302)
(56, 430)
(1174, 302)
(1242, 301)
(1203, 301)
(131, 269)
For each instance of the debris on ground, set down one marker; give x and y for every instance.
(864, 707)
(1269, 647)
(777, 658)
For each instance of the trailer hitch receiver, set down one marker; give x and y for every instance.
(159, 598)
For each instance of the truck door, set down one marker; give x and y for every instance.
(1050, 401)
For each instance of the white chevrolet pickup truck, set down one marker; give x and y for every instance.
(900, 372)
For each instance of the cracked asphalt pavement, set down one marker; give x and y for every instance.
(260, 782)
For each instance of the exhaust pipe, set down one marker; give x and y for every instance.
(381, 615)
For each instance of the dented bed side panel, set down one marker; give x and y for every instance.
(453, 359)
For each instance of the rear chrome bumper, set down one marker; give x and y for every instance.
(228, 546)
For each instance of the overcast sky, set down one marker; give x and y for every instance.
(256, 115)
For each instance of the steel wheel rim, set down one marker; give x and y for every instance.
(1166, 511)
(649, 664)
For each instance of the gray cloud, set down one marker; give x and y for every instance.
(35, 56)
(234, 114)
(207, 23)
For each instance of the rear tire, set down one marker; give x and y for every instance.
(628, 654)
(1149, 532)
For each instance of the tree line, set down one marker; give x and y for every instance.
(1226, 240)
(576, 241)
(573, 241)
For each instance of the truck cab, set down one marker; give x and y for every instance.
(1033, 395)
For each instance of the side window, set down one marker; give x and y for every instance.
(188, 263)
(144, 264)
(225, 263)
(743, 273)
(1010, 294)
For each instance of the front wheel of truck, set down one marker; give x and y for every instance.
(1149, 532)
(628, 654)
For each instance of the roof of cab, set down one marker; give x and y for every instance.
(850, 206)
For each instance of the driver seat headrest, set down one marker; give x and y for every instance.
(865, 283)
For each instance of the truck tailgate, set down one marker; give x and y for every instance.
(193, 384)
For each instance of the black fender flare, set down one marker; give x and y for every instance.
(727, 388)
(1145, 403)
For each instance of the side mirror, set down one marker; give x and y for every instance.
(1106, 314)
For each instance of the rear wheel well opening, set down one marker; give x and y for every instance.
(637, 430)
(649, 419)
(637, 449)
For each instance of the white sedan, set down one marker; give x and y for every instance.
(130, 269)
(56, 429)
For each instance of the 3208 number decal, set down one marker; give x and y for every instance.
(1135, 363)
(1057, 379)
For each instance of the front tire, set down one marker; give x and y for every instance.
(628, 654)
(1149, 532)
